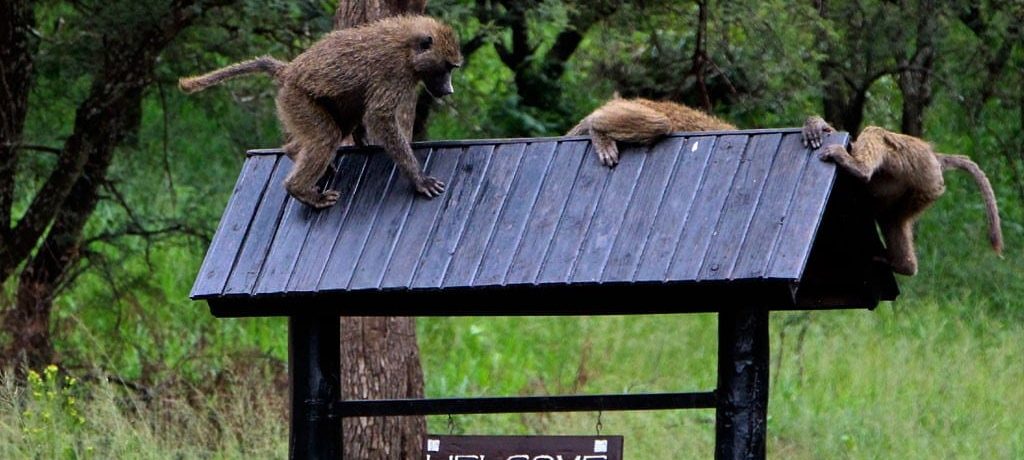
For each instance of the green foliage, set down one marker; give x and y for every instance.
(937, 371)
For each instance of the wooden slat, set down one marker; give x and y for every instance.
(234, 225)
(377, 178)
(578, 213)
(390, 219)
(284, 250)
(418, 226)
(607, 221)
(641, 212)
(481, 223)
(261, 233)
(707, 207)
(797, 236)
(324, 230)
(739, 207)
(768, 219)
(690, 170)
(538, 160)
(546, 213)
(459, 202)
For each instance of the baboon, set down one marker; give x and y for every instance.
(359, 82)
(904, 177)
(642, 121)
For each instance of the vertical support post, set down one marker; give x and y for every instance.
(741, 415)
(314, 366)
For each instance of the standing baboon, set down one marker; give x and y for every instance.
(353, 78)
(642, 121)
(904, 177)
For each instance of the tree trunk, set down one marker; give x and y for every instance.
(536, 76)
(915, 78)
(380, 356)
(351, 13)
(110, 112)
(843, 97)
(16, 20)
(381, 360)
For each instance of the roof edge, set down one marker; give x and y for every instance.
(520, 140)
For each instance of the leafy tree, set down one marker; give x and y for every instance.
(44, 244)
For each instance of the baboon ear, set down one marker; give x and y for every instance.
(425, 43)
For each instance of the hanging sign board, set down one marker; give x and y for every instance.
(523, 447)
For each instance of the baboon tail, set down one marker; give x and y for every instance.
(264, 64)
(995, 233)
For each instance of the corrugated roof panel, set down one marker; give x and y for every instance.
(532, 214)
(691, 168)
(708, 206)
(563, 246)
(546, 213)
(423, 214)
(590, 258)
(767, 221)
(538, 160)
(793, 246)
(316, 250)
(459, 200)
(480, 225)
(390, 219)
(234, 224)
(650, 192)
(250, 258)
(739, 207)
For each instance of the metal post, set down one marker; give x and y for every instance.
(741, 414)
(314, 359)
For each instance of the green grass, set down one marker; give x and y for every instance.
(909, 380)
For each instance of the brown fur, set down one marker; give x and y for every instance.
(366, 76)
(265, 64)
(641, 121)
(904, 176)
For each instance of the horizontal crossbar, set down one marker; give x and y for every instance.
(508, 405)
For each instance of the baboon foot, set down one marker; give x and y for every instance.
(904, 267)
(327, 199)
(312, 197)
(429, 187)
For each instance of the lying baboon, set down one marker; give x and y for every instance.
(904, 176)
(366, 76)
(642, 121)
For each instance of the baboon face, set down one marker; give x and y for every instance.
(434, 57)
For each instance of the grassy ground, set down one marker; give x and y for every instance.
(911, 380)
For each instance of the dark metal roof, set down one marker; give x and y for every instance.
(707, 219)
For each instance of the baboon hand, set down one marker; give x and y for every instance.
(814, 131)
(831, 152)
(326, 199)
(429, 187)
(608, 154)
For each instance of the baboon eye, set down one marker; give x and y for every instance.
(426, 43)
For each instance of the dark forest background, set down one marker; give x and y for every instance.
(112, 183)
